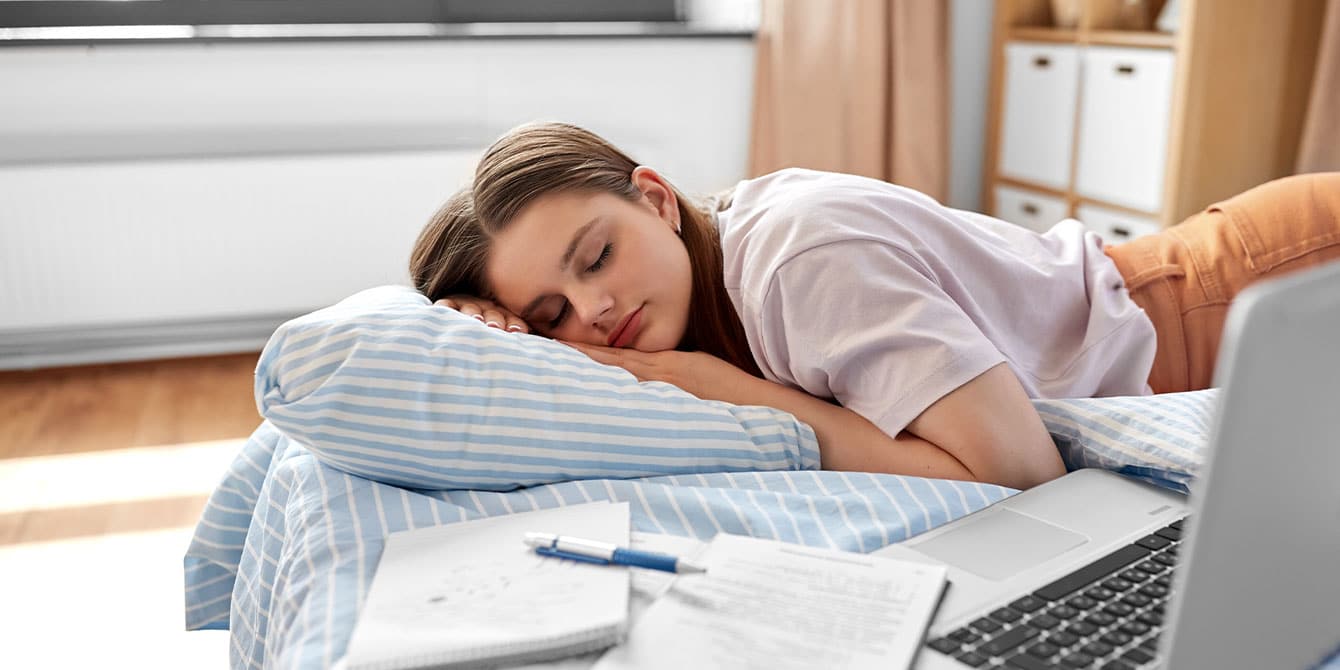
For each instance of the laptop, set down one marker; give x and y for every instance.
(1095, 570)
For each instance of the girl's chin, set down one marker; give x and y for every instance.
(650, 343)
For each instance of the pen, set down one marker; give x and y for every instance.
(604, 553)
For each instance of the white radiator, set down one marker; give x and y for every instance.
(110, 261)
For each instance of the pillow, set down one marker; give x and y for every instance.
(387, 386)
(1161, 439)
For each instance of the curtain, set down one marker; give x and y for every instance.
(857, 86)
(1319, 149)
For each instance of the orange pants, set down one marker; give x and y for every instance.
(1186, 276)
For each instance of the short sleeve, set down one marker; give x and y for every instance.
(864, 323)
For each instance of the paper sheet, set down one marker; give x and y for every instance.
(772, 605)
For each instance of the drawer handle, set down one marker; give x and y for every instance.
(1126, 69)
(1042, 61)
(1121, 231)
(1029, 209)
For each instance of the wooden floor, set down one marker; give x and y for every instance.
(56, 414)
(98, 407)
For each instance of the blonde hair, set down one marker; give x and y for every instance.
(539, 159)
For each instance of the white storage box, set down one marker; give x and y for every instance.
(1116, 227)
(1037, 134)
(1125, 107)
(1035, 211)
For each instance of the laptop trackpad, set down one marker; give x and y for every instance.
(1001, 543)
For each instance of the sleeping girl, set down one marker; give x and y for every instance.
(910, 336)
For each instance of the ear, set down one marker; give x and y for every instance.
(658, 193)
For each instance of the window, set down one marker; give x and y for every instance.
(53, 13)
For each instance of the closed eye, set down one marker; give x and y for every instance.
(604, 256)
(562, 314)
(593, 267)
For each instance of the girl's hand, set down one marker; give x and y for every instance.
(699, 373)
(487, 311)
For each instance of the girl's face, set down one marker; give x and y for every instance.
(596, 268)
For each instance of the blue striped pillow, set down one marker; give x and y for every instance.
(1161, 439)
(387, 386)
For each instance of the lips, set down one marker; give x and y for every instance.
(627, 329)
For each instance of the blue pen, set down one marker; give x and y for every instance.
(604, 553)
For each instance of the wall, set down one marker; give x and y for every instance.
(970, 72)
(180, 198)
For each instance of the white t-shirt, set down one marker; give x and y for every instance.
(881, 298)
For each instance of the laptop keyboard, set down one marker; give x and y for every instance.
(1107, 615)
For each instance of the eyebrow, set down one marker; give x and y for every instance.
(576, 239)
(563, 265)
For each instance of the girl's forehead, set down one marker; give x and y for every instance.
(565, 204)
(550, 219)
(528, 255)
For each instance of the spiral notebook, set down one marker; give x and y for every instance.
(471, 594)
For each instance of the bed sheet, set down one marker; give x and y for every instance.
(308, 554)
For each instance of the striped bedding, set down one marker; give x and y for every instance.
(285, 550)
(288, 580)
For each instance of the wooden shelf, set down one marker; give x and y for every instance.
(1131, 38)
(1121, 38)
(1083, 200)
(1207, 156)
(1031, 186)
(1074, 199)
(1044, 34)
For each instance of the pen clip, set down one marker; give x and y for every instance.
(554, 553)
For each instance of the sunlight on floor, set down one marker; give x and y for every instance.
(104, 600)
(92, 478)
(110, 601)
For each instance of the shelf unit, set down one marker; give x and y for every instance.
(1240, 75)
(1116, 38)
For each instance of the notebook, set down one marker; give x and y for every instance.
(472, 594)
(764, 603)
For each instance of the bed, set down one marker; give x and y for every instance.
(285, 551)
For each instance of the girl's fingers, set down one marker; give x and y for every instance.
(493, 318)
(471, 309)
(487, 312)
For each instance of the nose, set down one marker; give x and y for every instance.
(593, 306)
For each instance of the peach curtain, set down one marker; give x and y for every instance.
(857, 86)
(1319, 149)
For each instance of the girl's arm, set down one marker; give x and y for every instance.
(990, 425)
(986, 430)
(848, 441)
